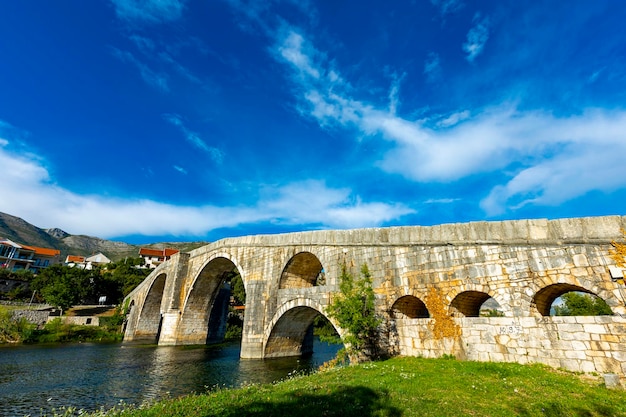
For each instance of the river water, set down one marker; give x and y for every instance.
(37, 379)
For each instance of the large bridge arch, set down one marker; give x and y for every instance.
(145, 317)
(289, 333)
(194, 325)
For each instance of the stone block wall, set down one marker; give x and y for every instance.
(579, 344)
(79, 320)
(32, 316)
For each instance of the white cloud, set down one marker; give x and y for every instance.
(477, 37)
(294, 51)
(536, 153)
(150, 11)
(194, 138)
(28, 183)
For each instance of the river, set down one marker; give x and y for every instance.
(36, 379)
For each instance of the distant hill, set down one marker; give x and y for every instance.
(20, 231)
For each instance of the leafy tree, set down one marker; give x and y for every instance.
(353, 309)
(580, 304)
(237, 288)
(63, 286)
(121, 278)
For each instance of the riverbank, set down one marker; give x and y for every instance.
(407, 387)
(19, 330)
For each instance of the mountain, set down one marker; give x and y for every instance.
(20, 231)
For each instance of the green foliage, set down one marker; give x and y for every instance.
(63, 286)
(234, 327)
(353, 309)
(121, 277)
(237, 288)
(21, 275)
(324, 329)
(580, 304)
(56, 331)
(14, 330)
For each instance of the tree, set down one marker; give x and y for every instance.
(353, 309)
(580, 304)
(237, 288)
(63, 286)
(121, 278)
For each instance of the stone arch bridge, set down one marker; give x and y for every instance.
(430, 285)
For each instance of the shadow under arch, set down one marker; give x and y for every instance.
(469, 303)
(409, 307)
(303, 270)
(148, 325)
(546, 296)
(292, 332)
(204, 313)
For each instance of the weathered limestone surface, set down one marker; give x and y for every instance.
(430, 283)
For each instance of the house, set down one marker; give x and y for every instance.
(154, 257)
(87, 262)
(43, 258)
(15, 256)
(75, 260)
(97, 259)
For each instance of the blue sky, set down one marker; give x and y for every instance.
(196, 120)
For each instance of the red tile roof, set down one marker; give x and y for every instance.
(75, 258)
(170, 252)
(150, 252)
(44, 251)
(165, 253)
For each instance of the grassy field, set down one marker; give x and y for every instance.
(408, 387)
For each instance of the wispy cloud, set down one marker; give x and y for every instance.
(454, 119)
(432, 67)
(447, 6)
(193, 138)
(538, 152)
(303, 203)
(180, 169)
(150, 11)
(476, 37)
(394, 93)
(158, 80)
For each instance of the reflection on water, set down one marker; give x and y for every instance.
(35, 379)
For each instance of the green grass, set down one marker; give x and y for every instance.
(407, 387)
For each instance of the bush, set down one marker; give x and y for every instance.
(14, 330)
(353, 309)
